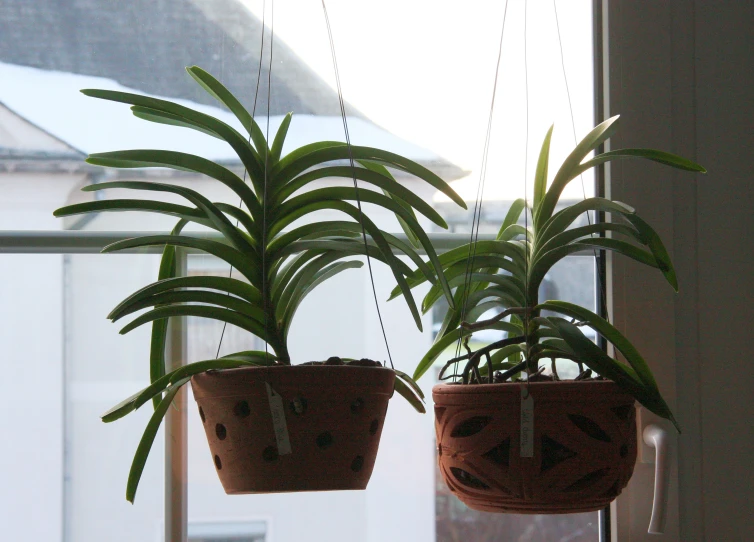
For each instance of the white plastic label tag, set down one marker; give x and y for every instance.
(527, 423)
(277, 410)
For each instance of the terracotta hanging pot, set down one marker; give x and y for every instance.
(293, 428)
(584, 445)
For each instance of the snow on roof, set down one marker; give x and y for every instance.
(52, 101)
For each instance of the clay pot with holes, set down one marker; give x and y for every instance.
(584, 445)
(293, 428)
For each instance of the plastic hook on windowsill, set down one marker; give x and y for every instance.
(657, 438)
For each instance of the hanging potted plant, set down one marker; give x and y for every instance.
(271, 426)
(510, 437)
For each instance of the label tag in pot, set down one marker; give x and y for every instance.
(277, 410)
(527, 423)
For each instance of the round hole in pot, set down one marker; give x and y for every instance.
(374, 426)
(270, 453)
(218, 463)
(241, 409)
(201, 415)
(357, 463)
(220, 431)
(324, 440)
(298, 406)
(357, 406)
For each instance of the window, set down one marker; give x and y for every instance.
(424, 92)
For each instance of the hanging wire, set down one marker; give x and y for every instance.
(355, 183)
(477, 216)
(601, 286)
(526, 191)
(265, 301)
(253, 112)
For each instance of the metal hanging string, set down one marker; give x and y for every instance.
(355, 183)
(253, 112)
(265, 301)
(477, 216)
(601, 286)
(526, 198)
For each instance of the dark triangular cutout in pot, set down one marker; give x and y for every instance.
(500, 454)
(553, 453)
(589, 427)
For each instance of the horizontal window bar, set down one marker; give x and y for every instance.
(83, 242)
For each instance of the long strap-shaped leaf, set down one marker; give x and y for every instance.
(307, 287)
(563, 219)
(540, 175)
(542, 265)
(124, 205)
(193, 119)
(277, 144)
(224, 284)
(575, 234)
(285, 171)
(147, 439)
(227, 253)
(570, 167)
(331, 198)
(504, 282)
(214, 214)
(158, 338)
(596, 359)
(387, 184)
(203, 311)
(660, 157)
(191, 296)
(218, 91)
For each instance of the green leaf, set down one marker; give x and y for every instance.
(564, 218)
(145, 445)
(134, 402)
(570, 168)
(574, 234)
(202, 311)
(216, 89)
(332, 198)
(319, 277)
(597, 360)
(162, 117)
(442, 344)
(379, 168)
(141, 158)
(191, 296)
(661, 157)
(226, 253)
(544, 262)
(288, 169)
(410, 381)
(277, 145)
(407, 393)
(399, 192)
(513, 215)
(158, 338)
(123, 205)
(219, 220)
(653, 241)
(540, 176)
(193, 119)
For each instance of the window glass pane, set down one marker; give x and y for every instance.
(417, 79)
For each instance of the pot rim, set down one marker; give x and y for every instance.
(574, 388)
